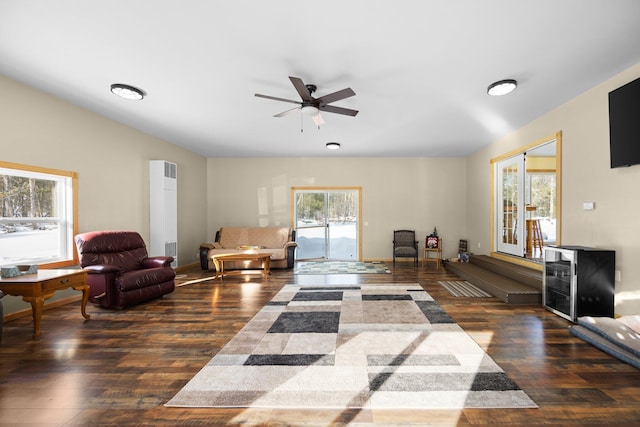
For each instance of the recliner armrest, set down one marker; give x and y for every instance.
(101, 269)
(157, 261)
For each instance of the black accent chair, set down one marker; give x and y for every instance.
(405, 245)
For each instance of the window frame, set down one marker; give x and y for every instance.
(71, 217)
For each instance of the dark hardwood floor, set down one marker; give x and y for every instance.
(120, 367)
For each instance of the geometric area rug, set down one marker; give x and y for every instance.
(370, 346)
(340, 267)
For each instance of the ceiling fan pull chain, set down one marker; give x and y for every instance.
(301, 122)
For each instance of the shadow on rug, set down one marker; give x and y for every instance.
(340, 267)
(362, 346)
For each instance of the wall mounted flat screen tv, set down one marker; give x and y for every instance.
(624, 125)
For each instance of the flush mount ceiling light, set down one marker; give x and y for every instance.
(127, 92)
(502, 87)
(333, 145)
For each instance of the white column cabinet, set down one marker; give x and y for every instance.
(163, 209)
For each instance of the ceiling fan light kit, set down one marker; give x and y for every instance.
(502, 87)
(310, 110)
(314, 106)
(127, 91)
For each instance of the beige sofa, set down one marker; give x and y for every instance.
(278, 241)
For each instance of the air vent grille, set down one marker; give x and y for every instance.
(171, 249)
(170, 170)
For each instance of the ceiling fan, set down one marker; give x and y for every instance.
(313, 106)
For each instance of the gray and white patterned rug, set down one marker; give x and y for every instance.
(353, 346)
(340, 267)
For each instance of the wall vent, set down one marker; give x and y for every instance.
(171, 249)
(170, 170)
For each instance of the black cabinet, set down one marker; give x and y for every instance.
(579, 281)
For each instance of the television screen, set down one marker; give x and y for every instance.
(624, 125)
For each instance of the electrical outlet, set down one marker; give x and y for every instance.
(618, 276)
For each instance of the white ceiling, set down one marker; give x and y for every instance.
(420, 69)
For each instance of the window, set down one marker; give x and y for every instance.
(38, 216)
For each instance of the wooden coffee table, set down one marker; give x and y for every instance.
(219, 260)
(37, 287)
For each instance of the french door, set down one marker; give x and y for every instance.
(327, 223)
(510, 205)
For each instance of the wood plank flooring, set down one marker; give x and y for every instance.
(120, 367)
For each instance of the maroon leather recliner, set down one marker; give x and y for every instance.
(120, 272)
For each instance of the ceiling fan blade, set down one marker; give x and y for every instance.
(338, 110)
(286, 113)
(318, 120)
(277, 99)
(336, 96)
(301, 88)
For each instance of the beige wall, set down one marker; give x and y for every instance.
(419, 193)
(587, 177)
(413, 193)
(112, 162)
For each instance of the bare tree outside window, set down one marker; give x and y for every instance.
(36, 215)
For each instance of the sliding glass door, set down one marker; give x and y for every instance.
(327, 223)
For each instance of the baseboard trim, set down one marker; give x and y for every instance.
(47, 306)
(187, 267)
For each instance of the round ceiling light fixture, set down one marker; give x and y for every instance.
(333, 145)
(309, 110)
(502, 87)
(127, 91)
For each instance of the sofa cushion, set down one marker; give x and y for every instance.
(605, 345)
(264, 237)
(631, 320)
(276, 254)
(405, 251)
(616, 332)
(269, 237)
(233, 237)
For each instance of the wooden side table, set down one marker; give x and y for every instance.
(436, 252)
(35, 288)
